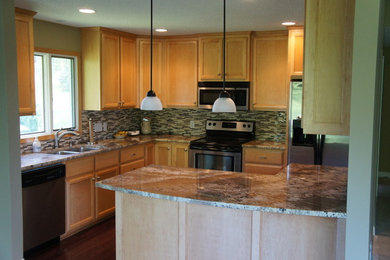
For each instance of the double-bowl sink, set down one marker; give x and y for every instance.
(76, 150)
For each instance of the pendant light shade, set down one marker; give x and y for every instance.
(224, 103)
(151, 101)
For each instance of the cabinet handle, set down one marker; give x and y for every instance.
(169, 148)
(98, 178)
(134, 154)
(262, 157)
(185, 150)
(132, 169)
(93, 179)
(195, 103)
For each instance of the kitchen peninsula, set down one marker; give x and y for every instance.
(179, 213)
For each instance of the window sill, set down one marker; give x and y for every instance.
(41, 137)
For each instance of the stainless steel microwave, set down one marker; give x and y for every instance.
(208, 92)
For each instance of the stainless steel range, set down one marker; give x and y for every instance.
(221, 149)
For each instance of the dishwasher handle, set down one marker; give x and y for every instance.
(42, 175)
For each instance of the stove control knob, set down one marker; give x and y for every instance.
(244, 125)
(214, 124)
(210, 124)
(249, 126)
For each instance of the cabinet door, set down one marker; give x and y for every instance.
(144, 68)
(80, 194)
(25, 62)
(210, 59)
(180, 155)
(105, 199)
(327, 66)
(270, 81)
(163, 153)
(149, 154)
(237, 58)
(128, 72)
(182, 66)
(295, 51)
(110, 70)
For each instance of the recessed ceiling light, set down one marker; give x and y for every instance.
(86, 11)
(288, 23)
(161, 30)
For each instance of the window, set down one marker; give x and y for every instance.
(55, 95)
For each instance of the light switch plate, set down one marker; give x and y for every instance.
(192, 124)
(97, 127)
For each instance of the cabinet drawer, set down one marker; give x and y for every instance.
(132, 166)
(79, 166)
(261, 156)
(105, 160)
(261, 168)
(132, 153)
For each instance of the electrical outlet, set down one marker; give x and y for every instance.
(192, 124)
(105, 126)
(97, 127)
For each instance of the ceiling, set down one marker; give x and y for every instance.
(178, 16)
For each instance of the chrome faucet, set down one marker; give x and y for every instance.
(58, 136)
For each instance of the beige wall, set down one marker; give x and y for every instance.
(56, 36)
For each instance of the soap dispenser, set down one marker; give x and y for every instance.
(36, 145)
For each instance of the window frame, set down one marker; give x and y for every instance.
(49, 131)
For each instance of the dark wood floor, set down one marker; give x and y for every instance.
(97, 242)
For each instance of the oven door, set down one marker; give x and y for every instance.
(207, 96)
(215, 160)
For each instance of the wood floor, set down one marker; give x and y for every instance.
(97, 242)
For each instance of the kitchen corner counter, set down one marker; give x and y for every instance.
(265, 145)
(34, 160)
(298, 189)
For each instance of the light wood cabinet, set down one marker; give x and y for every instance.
(237, 57)
(163, 153)
(181, 66)
(105, 199)
(25, 60)
(262, 161)
(80, 193)
(109, 69)
(295, 51)
(132, 158)
(143, 61)
(171, 154)
(270, 81)
(149, 154)
(327, 66)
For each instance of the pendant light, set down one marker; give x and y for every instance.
(151, 101)
(224, 103)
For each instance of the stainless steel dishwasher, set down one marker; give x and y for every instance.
(43, 205)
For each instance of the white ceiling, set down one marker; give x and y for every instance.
(178, 16)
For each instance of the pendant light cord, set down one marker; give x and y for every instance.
(151, 45)
(223, 43)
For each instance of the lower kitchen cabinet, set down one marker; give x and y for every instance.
(132, 158)
(130, 166)
(172, 154)
(105, 199)
(263, 161)
(80, 193)
(149, 154)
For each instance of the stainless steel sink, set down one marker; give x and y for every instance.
(77, 150)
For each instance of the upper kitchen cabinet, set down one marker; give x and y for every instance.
(327, 66)
(237, 57)
(109, 69)
(181, 66)
(143, 60)
(295, 51)
(25, 60)
(270, 86)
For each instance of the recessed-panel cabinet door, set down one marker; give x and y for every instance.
(210, 59)
(180, 155)
(237, 58)
(25, 62)
(105, 199)
(182, 66)
(163, 153)
(110, 55)
(128, 72)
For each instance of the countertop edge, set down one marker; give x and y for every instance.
(226, 205)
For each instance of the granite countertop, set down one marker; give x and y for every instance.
(34, 160)
(298, 189)
(265, 145)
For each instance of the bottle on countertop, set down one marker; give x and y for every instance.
(36, 145)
